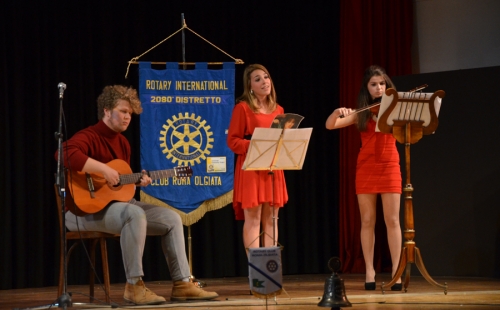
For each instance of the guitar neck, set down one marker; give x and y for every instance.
(155, 175)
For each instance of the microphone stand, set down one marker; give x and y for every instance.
(63, 301)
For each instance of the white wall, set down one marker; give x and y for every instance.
(455, 34)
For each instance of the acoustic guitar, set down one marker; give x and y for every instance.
(90, 193)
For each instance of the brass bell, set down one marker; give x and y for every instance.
(334, 292)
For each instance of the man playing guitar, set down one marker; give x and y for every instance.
(90, 152)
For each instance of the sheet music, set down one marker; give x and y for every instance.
(277, 149)
(409, 111)
(262, 148)
(293, 149)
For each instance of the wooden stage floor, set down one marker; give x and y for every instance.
(302, 292)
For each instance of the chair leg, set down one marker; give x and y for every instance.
(93, 244)
(105, 268)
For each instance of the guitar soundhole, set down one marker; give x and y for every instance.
(116, 187)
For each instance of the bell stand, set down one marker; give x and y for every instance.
(135, 61)
(407, 131)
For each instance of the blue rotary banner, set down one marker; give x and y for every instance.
(185, 118)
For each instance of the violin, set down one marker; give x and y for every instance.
(375, 106)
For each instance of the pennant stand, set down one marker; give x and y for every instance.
(226, 199)
(184, 63)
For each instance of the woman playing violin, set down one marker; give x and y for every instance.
(377, 171)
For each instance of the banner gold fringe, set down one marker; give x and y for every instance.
(192, 217)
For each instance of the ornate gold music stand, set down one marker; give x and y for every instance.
(409, 116)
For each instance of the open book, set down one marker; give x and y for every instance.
(287, 120)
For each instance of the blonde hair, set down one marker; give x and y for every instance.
(111, 94)
(248, 96)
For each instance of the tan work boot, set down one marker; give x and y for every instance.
(140, 295)
(189, 291)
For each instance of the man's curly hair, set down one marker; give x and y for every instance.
(110, 95)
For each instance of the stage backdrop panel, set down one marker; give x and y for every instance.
(184, 123)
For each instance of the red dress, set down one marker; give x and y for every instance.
(377, 169)
(252, 188)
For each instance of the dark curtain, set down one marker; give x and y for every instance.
(371, 32)
(87, 44)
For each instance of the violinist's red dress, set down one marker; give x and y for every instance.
(377, 169)
(252, 188)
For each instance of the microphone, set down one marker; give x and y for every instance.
(62, 87)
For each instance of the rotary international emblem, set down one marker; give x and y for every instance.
(272, 266)
(186, 139)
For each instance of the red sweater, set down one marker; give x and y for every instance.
(98, 142)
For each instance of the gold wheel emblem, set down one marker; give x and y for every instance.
(186, 139)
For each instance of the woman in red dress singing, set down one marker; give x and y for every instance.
(254, 198)
(377, 171)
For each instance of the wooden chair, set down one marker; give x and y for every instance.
(93, 238)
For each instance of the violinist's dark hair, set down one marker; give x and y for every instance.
(364, 97)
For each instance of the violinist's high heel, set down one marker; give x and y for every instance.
(371, 286)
